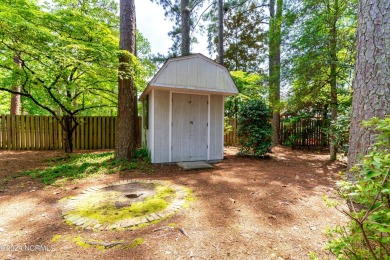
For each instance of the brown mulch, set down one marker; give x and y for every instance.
(245, 209)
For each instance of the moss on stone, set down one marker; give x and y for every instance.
(101, 205)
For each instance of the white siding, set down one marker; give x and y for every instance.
(194, 72)
(180, 127)
(161, 126)
(150, 123)
(216, 127)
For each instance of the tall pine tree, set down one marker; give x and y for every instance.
(371, 97)
(127, 93)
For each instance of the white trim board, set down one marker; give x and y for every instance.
(223, 124)
(208, 125)
(152, 126)
(170, 126)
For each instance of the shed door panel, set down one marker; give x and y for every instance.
(180, 127)
(189, 127)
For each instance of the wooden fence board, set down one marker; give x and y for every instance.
(99, 130)
(3, 134)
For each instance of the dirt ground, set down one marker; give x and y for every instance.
(245, 209)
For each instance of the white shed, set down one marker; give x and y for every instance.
(183, 110)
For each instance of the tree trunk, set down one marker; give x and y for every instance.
(15, 102)
(67, 126)
(185, 28)
(333, 79)
(275, 37)
(15, 99)
(127, 94)
(220, 32)
(137, 131)
(371, 97)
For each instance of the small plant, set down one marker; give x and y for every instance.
(143, 153)
(254, 128)
(367, 234)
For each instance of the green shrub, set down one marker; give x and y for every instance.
(367, 234)
(340, 129)
(254, 128)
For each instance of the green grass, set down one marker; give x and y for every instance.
(77, 166)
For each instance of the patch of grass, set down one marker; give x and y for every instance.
(80, 242)
(77, 166)
(136, 242)
(56, 238)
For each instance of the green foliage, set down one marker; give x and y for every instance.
(249, 86)
(244, 35)
(143, 154)
(367, 234)
(341, 130)
(67, 53)
(254, 128)
(5, 101)
(309, 59)
(62, 57)
(79, 166)
(227, 128)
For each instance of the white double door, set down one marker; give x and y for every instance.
(189, 127)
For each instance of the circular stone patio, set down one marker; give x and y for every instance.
(108, 207)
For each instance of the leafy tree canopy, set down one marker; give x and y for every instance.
(309, 59)
(64, 58)
(244, 34)
(249, 85)
(65, 55)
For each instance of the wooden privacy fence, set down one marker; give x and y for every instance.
(24, 132)
(45, 133)
(305, 132)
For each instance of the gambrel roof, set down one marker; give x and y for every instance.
(193, 73)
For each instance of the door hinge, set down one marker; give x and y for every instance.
(207, 124)
(207, 102)
(207, 146)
